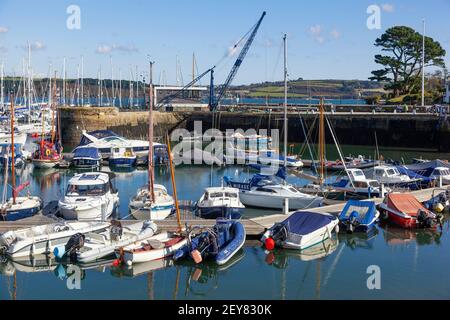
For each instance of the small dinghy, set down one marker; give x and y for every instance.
(158, 247)
(404, 210)
(220, 243)
(90, 247)
(358, 216)
(45, 238)
(301, 231)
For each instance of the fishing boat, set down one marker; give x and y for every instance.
(17, 207)
(356, 185)
(391, 177)
(86, 158)
(44, 239)
(300, 231)
(122, 157)
(404, 210)
(6, 156)
(219, 243)
(88, 247)
(358, 216)
(165, 244)
(89, 196)
(152, 202)
(220, 202)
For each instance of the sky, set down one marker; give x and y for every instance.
(326, 39)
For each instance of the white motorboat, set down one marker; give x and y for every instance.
(142, 208)
(97, 245)
(390, 176)
(301, 230)
(19, 137)
(266, 192)
(44, 238)
(104, 140)
(441, 173)
(158, 247)
(220, 202)
(356, 185)
(89, 196)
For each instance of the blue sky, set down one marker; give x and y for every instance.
(326, 39)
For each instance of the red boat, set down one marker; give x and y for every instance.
(406, 211)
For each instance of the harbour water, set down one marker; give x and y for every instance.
(408, 261)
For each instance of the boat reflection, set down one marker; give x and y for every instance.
(398, 236)
(279, 258)
(359, 240)
(138, 269)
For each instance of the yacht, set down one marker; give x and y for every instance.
(268, 192)
(89, 196)
(105, 140)
(390, 176)
(356, 185)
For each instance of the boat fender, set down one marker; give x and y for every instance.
(196, 256)
(270, 244)
(439, 208)
(336, 229)
(59, 251)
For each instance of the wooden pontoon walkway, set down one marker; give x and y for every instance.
(254, 227)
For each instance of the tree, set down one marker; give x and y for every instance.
(403, 64)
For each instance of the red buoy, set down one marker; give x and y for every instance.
(270, 244)
(116, 263)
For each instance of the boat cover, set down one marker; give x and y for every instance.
(365, 210)
(87, 152)
(406, 203)
(427, 168)
(413, 175)
(302, 223)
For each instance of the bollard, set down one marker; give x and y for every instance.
(440, 182)
(382, 191)
(286, 206)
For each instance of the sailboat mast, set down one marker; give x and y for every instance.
(63, 100)
(151, 175)
(321, 143)
(53, 109)
(285, 101)
(174, 185)
(82, 82)
(2, 98)
(13, 175)
(29, 83)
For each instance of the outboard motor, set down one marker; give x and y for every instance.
(279, 233)
(424, 219)
(116, 230)
(75, 243)
(352, 222)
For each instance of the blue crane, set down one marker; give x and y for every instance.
(214, 102)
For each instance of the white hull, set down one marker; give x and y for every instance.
(252, 199)
(96, 210)
(44, 164)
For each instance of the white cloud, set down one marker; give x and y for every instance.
(3, 29)
(387, 7)
(315, 30)
(105, 48)
(335, 34)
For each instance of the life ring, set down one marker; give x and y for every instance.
(48, 152)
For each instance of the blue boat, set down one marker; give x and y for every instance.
(358, 216)
(218, 203)
(86, 158)
(220, 243)
(122, 157)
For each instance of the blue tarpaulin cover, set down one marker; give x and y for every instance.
(366, 211)
(87, 152)
(426, 169)
(302, 223)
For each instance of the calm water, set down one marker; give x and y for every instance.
(413, 264)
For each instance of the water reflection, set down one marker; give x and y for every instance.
(395, 236)
(360, 240)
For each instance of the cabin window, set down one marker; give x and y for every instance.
(216, 195)
(360, 184)
(391, 172)
(379, 172)
(374, 184)
(87, 190)
(293, 190)
(265, 190)
(116, 150)
(230, 195)
(358, 173)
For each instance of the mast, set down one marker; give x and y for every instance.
(151, 175)
(137, 87)
(112, 81)
(321, 143)
(82, 82)
(63, 100)
(285, 101)
(13, 175)
(120, 88)
(174, 185)
(423, 64)
(29, 83)
(53, 109)
(2, 98)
